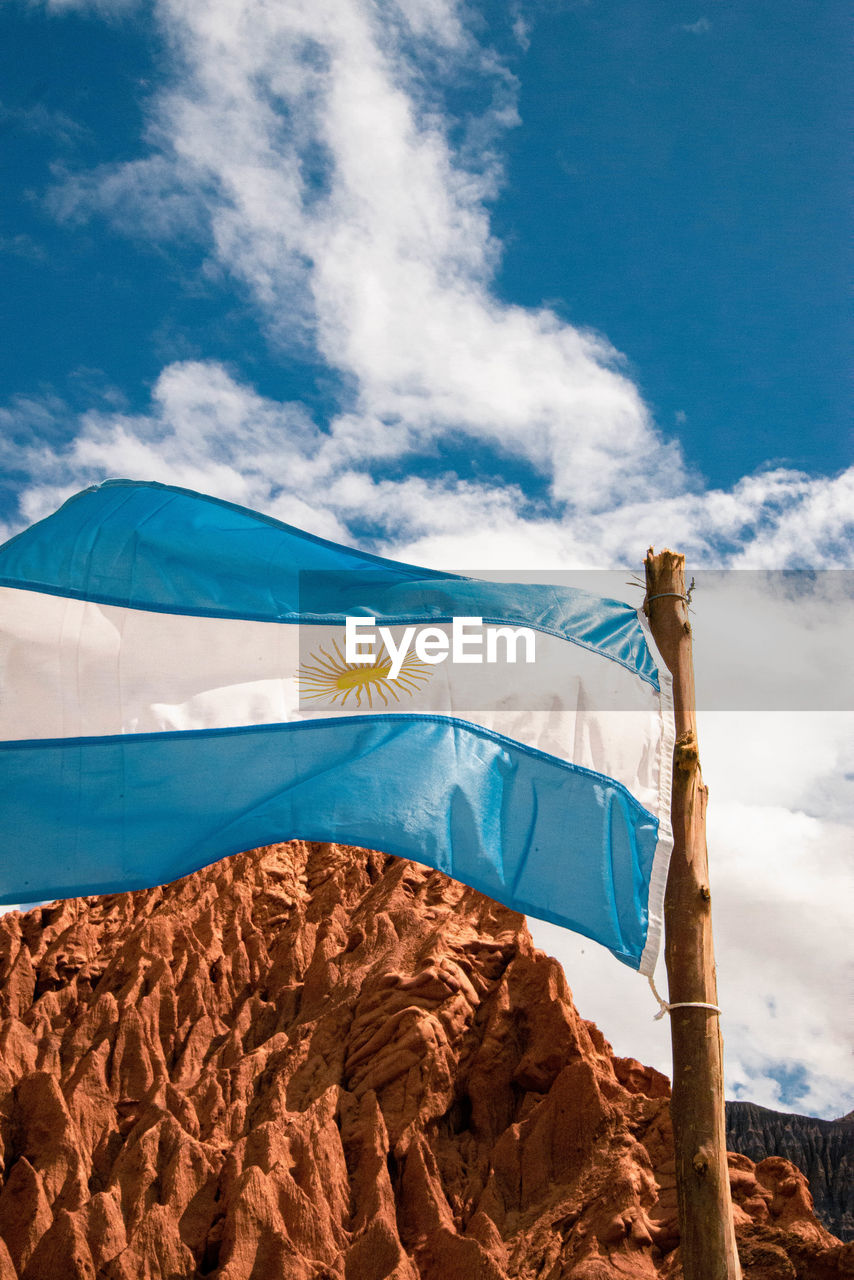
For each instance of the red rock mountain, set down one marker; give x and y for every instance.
(317, 1063)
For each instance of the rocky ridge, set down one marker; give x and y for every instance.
(318, 1063)
(822, 1149)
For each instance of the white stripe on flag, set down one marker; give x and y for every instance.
(79, 669)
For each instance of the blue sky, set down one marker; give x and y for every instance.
(499, 285)
(686, 196)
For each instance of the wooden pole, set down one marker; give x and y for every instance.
(707, 1232)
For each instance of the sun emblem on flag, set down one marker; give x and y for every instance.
(330, 676)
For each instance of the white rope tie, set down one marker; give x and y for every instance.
(678, 594)
(678, 1004)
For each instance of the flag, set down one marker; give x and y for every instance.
(184, 679)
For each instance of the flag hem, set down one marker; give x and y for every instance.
(664, 845)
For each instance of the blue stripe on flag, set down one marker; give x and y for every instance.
(155, 547)
(544, 837)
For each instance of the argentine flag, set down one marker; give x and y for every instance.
(182, 679)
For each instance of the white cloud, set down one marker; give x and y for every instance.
(782, 883)
(785, 883)
(205, 429)
(24, 246)
(521, 29)
(139, 197)
(814, 524)
(772, 642)
(41, 119)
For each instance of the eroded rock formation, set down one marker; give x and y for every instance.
(823, 1149)
(311, 1062)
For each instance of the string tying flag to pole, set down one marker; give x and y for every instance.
(666, 1006)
